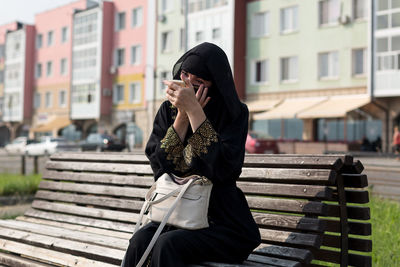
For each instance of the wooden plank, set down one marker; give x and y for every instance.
(288, 205)
(120, 203)
(272, 261)
(50, 256)
(94, 252)
(293, 161)
(100, 178)
(355, 180)
(108, 190)
(355, 228)
(353, 212)
(301, 191)
(354, 196)
(101, 157)
(297, 254)
(356, 244)
(76, 227)
(289, 222)
(218, 264)
(15, 261)
(300, 176)
(334, 257)
(99, 167)
(86, 212)
(67, 234)
(79, 220)
(292, 238)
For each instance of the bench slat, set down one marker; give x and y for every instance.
(355, 180)
(276, 237)
(100, 178)
(303, 255)
(76, 227)
(86, 250)
(334, 257)
(99, 167)
(73, 235)
(272, 261)
(103, 224)
(355, 228)
(120, 203)
(49, 256)
(301, 191)
(356, 244)
(86, 212)
(300, 176)
(101, 157)
(94, 189)
(11, 260)
(289, 221)
(288, 205)
(293, 161)
(353, 212)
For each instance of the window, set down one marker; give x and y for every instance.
(120, 21)
(1, 77)
(216, 33)
(120, 57)
(199, 36)
(289, 69)
(383, 5)
(182, 39)
(62, 100)
(260, 71)
(260, 24)
(2, 51)
(118, 94)
(360, 9)
(36, 100)
(39, 41)
(137, 17)
(64, 34)
(136, 54)
(166, 41)
(63, 66)
(289, 19)
(135, 95)
(329, 11)
(48, 102)
(359, 61)
(382, 44)
(164, 75)
(49, 68)
(166, 5)
(382, 22)
(38, 70)
(328, 65)
(50, 38)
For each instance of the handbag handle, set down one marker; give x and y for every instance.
(148, 203)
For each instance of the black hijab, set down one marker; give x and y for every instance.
(210, 62)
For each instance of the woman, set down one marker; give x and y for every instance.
(201, 129)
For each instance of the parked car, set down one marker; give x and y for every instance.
(18, 145)
(261, 143)
(102, 142)
(49, 145)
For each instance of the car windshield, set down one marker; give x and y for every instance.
(18, 141)
(259, 135)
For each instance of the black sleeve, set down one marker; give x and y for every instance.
(164, 148)
(218, 156)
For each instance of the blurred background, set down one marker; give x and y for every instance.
(318, 76)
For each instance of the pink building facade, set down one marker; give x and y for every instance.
(52, 70)
(129, 68)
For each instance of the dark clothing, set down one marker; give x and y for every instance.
(216, 151)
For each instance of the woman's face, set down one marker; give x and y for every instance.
(194, 80)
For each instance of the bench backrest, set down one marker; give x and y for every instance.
(298, 201)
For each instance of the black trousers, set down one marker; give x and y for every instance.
(179, 247)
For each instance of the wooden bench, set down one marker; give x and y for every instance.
(87, 204)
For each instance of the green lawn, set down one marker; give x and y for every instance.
(11, 184)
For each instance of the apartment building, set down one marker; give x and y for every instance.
(52, 75)
(308, 70)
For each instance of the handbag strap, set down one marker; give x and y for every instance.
(147, 204)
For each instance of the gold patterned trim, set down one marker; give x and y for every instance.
(173, 146)
(200, 141)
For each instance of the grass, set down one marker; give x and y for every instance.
(14, 184)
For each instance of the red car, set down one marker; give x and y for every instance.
(261, 143)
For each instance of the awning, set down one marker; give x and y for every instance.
(262, 105)
(289, 108)
(335, 107)
(54, 124)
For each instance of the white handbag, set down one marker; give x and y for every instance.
(181, 202)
